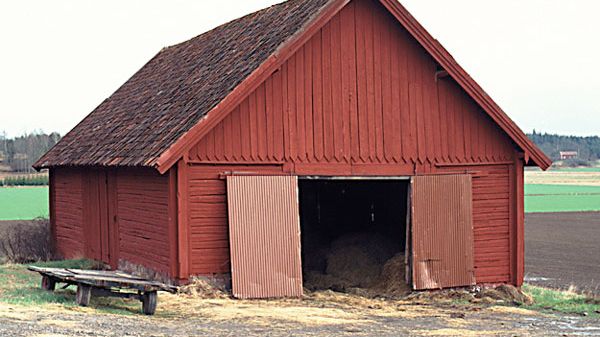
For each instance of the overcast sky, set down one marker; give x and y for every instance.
(59, 59)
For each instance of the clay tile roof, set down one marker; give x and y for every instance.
(176, 88)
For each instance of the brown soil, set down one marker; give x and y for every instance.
(562, 250)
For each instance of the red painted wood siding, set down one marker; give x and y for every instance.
(68, 212)
(491, 224)
(207, 217)
(360, 97)
(143, 218)
(360, 91)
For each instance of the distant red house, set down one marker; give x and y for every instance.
(568, 155)
(226, 154)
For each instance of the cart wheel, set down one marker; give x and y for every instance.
(84, 293)
(149, 300)
(48, 283)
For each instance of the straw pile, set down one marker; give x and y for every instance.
(361, 263)
(204, 288)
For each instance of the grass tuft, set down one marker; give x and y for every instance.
(568, 302)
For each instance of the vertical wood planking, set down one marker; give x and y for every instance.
(361, 90)
(378, 29)
(279, 114)
(173, 238)
(300, 132)
(328, 129)
(142, 208)
(68, 217)
(262, 126)
(308, 103)
(339, 119)
(317, 69)
(291, 104)
(348, 73)
(361, 78)
(183, 219)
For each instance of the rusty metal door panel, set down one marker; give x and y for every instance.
(264, 233)
(442, 231)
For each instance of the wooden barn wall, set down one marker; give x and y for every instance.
(360, 91)
(143, 218)
(207, 217)
(493, 222)
(66, 201)
(361, 97)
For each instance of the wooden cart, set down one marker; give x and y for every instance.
(104, 283)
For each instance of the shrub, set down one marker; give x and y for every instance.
(25, 180)
(28, 241)
(576, 162)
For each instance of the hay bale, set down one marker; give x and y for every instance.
(375, 245)
(356, 259)
(392, 279)
(361, 261)
(314, 280)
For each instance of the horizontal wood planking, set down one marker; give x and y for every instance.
(208, 223)
(360, 91)
(491, 224)
(143, 218)
(68, 212)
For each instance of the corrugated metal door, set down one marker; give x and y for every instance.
(264, 233)
(442, 231)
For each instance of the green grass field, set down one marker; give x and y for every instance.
(23, 203)
(561, 198)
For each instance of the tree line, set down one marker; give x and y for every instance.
(588, 148)
(21, 152)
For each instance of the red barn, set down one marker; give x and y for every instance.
(236, 152)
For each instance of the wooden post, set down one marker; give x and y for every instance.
(520, 226)
(173, 222)
(182, 219)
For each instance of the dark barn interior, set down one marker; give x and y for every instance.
(353, 234)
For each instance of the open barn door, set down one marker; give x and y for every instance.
(264, 233)
(441, 231)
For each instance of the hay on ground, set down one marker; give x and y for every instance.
(363, 264)
(506, 293)
(204, 288)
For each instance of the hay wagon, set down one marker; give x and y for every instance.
(104, 283)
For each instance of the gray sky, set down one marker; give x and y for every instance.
(59, 59)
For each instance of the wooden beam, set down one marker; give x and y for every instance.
(173, 223)
(182, 220)
(520, 224)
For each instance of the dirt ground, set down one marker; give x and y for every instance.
(308, 317)
(563, 249)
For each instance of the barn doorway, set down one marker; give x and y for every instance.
(354, 235)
